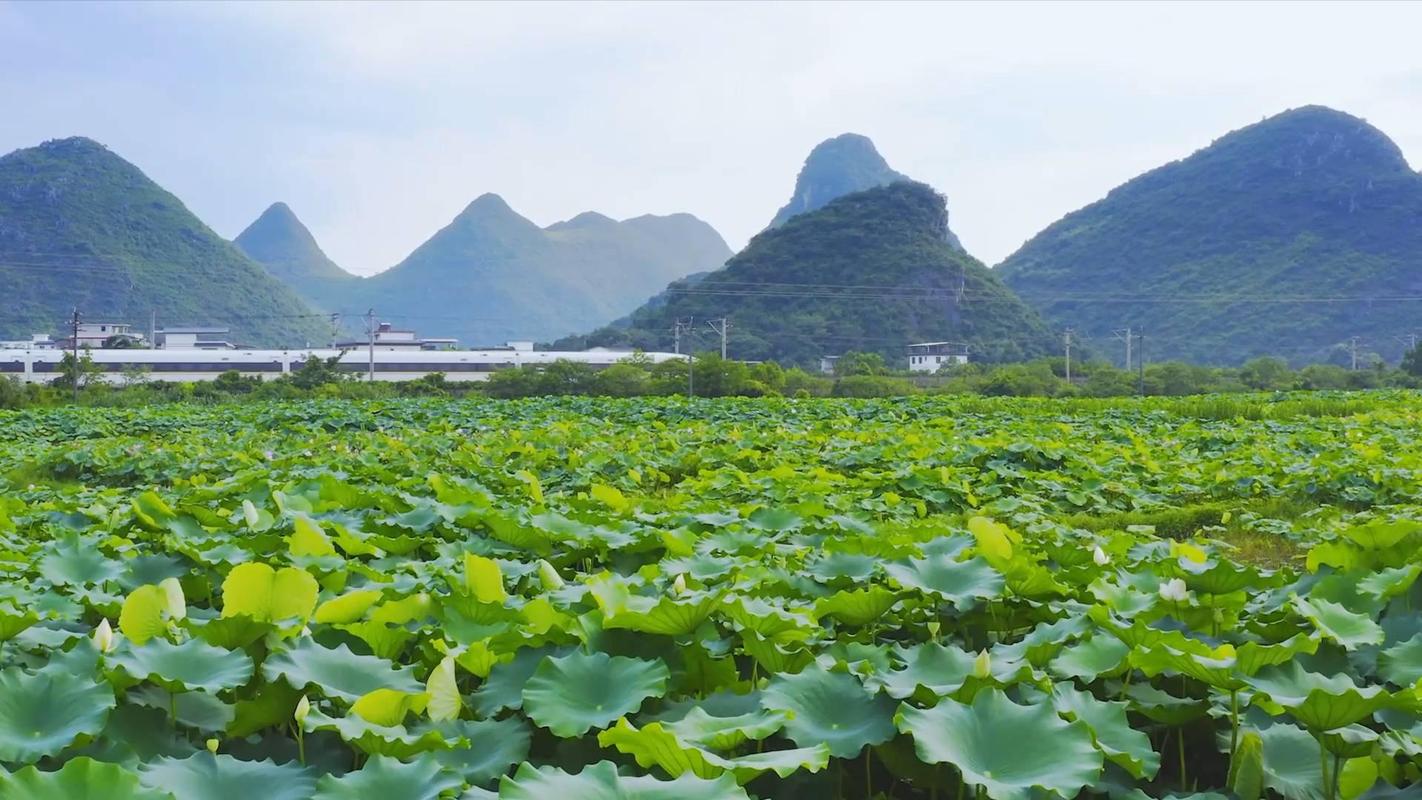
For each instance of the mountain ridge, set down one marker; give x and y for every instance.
(1284, 237)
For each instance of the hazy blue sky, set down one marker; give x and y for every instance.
(378, 123)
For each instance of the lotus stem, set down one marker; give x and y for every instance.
(1233, 721)
(1323, 770)
(1180, 746)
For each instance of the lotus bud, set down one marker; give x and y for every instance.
(212, 746)
(303, 710)
(1099, 556)
(173, 601)
(982, 665)
(933, 628)
(1174, 590)
(104, 638)
(548, 576)
(679, 585)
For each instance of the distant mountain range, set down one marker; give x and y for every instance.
(82, 228)
(1288, 237)
(491, 275)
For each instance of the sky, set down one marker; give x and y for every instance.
(378, 123)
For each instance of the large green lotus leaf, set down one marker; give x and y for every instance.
(191, 665)
(767, 619)
(723, 733)
(43, 713)
(1251, 657)
(1384, 584)
(269, 595)
(600, 781)
(1320, 702)
(396, 741)
(857, 567)
(199, 710)
(1217, 577)
(1125, 746)
(504, 686)
(830, 707)
(493, 746)
(204, 776)
(78, 779)
(77, 562)
(571, 694)
(665, 615)
(655, 745)
(1011, 751)
(338, 672)
(857, 606)
(1214, 667)
(1292, 766)
(382, 777)
(939, 668)
(1348, 629)
(1163, 707)
(231, 633)
(1401, 664)
(961, 583)
(13, 621)
(1099, 655)
(349, 607)
(144, 614)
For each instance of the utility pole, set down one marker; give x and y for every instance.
(1140, 378)
(335, 327)
(1410, 340)
(1066, 340)
(676, 337)
(74, 351)
(1353, 350)
(370, 329)
(1125, 334)
(723, 328)
(153, 327)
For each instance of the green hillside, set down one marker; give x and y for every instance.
(870, 271)
(280, 242)
(79, 226)
(492, 275)
(836, 167)
(1286, 237)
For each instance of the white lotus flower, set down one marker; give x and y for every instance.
(982, 665)
(1099, 556)
(303, 709)
(1174, 590)
(104, 637)
(173, 601)
(679, 585)
(548, 576)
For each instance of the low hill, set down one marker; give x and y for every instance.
(869, 271)
(1287, 237)
(81, 227)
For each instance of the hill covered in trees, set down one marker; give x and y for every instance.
(280, 242)
(870, 271)
(1287, 237)
(81, 227)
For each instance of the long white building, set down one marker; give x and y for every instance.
(43, 366)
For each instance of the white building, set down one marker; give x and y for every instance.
(37, 341)
(931, 356)
(94, 334)
(827, 364)
(192, 338)
(389, 338)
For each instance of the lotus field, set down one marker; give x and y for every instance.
(587, 599)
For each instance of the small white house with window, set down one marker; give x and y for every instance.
(94, 335)
(932, 356)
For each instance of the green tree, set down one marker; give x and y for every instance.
(315, 372)
(1267, 374)
(83, 372)
(1412, 362)
(853, 363)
